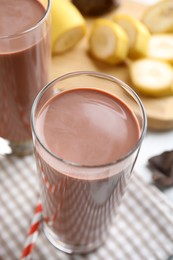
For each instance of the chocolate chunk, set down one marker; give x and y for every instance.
(162, 169)
(95, 7)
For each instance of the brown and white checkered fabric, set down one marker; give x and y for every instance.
(142, 230)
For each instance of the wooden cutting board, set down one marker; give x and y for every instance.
(159, 110)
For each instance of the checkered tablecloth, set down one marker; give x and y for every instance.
(142, 230)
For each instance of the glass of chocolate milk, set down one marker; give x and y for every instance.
(87, 131)
(24, 68)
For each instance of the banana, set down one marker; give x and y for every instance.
(161, 47)
(159, 17)
(68, 26)
(137, 32)
(108, 42)
(152, 77)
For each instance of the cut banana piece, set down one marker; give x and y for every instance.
(68, 26)
(161, 47)
(108, 42)
(159, 17)
(152, 77)
(137, 32)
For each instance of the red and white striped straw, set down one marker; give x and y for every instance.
(33, 233)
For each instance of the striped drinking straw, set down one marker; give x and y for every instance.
(33, 233)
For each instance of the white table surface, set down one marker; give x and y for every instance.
(154, 144)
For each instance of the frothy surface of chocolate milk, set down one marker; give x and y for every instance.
(88, 127)
(24, 61)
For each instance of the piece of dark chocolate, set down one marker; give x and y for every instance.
(95, 7)
(162, 169)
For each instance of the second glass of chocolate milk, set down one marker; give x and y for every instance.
(24, 67)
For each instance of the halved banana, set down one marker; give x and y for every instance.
(108, 42)
(68, 26)
(152, 77)
(161, 47)
(137, 32)
(159, 17)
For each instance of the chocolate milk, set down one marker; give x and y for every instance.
(90, 128)
(24, 63)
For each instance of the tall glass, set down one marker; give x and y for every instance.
(24, 69)
(80, 200)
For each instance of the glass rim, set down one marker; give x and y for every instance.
(94, 74)
(32, 28)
